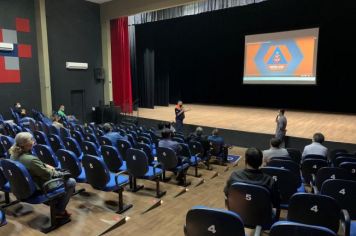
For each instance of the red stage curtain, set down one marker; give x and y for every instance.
(120, 62)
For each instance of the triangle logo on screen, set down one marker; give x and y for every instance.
(277, 62)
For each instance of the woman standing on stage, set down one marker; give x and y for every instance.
(179, 110)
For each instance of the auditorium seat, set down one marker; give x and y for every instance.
(194, 160)
(24, 189)
(286, 164)
(2, 218)
(64, 133)
(204, 221)
(169, 161)
(104, 141)
(88, 130)
(295, 155)
(56, 142)
(41, 137)
(139, 168)
(253, 203)
(326, 173)
(314, 156)
(288, 228)
(350, 167)
(46, 155)
(113, 159)
(315, 209)
(72, 145)
(90, 148)
(53, 130)
(91, 138)
(77, 136)
(344, 192)
(4, 186)
(178, 139)
(122, 146)
(148, 150)
(332, 153)
(70, 162)
(7, 142)
(287, 183)
(342, 159)
(99, 177)
(311, 166)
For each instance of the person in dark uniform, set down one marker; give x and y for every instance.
(180, 115)
(281, 130)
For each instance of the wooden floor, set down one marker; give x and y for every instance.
(335, 127)
(149, 216)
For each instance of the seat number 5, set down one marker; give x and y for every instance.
(212, 229)
(248, 197)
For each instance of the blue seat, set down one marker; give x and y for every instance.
(326, 173)
(99, 177)
(24, 189)
(70, 162)
(194, 160)
(90, 148)
(315, 209)
(197, 149)
(350, 167)
(72, 145)
(342, 159)
(178, 139)
(169, 161)
(56, 142)
(216, 150)
(41, 137)
(253, 203)
(46, 155)
(344, 192)
(64, 133)
(138, 167)
(288, 184)
(334, 152)
(77, 136)
(4, 186)
(204, 221)
(283, 228)
(105, 141)
(315, 156)
(122, 146)
(286, 164)
(91, 138)
(148, 150)
(310, 167)
(7, 142)
(113, 159)
(54, 130)
(2, 218)
(88, 130)
(295, 155)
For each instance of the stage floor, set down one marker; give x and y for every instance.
(335, 127)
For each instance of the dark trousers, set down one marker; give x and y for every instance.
(179, 126)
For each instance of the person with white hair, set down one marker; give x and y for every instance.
(41, 172)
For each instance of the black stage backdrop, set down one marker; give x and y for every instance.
(200, 58)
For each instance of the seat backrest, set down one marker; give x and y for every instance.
(79, 128)
(46, 155)
(196, 148)
(56, 142)
(90, 148)
(332, 153)
(314, 209)
(251, 202)
(326, 173)
(54, 130)
(178, 139)
(283, 228)
(215, 148)
(185, 151)
(286, 181)
(96, 171)
(77, 136)
(99, 133)
(295, 154)
(147, 149)
(144, 139)
(122, 146)
(167, 157)
(213, 222)
(3, 179)
(315, 156)
(88, 130)
(7, 141)
(91, 138)
(286, 164)
(344, 192)
(41, 137)
(283, 158)
(311, 166)
(342, 159)
(350, 167)
(69, 161)
(21, 183)
(105, 141)
(72, 145)
(64, 132)
(136, 162)
(112, 158)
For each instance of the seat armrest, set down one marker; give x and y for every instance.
(155, 166)
(117, 176)
(46, 185)
(345, 222)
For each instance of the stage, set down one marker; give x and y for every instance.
(340, 128)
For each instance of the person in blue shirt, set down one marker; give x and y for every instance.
(216, 140)
(112, 136)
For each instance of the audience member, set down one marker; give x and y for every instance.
(253, 175)
(198, 136)
(63, 115)
(275, 150)
(219, 140)
(160, 127)
(316, 146)
(112, 136)
(19, 110)
(56, 121)
(40, 172)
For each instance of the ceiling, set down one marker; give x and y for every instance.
(99, 1)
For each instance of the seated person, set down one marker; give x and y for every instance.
(19, 110)
(160, 127)
(112, 136)
(316, 146)
(63, 115)
(215, 138)
(253, 175)
(39, 171)
(198, 136)
(56, 121)
(167, 142)
(275, 150)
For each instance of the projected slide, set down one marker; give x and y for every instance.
(281, 58)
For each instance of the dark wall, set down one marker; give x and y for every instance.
(205, 54)
(28, 91)
(74, 35)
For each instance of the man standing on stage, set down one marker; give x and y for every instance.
(281, 130)
(179, 110)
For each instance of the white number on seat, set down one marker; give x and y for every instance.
(314, 208)
(332, 177)
(248, 197)
(342, 191)
(314, 166)
(212, 229)
(134, 157)
(275, 178)
(91, 166)
(353, 171)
